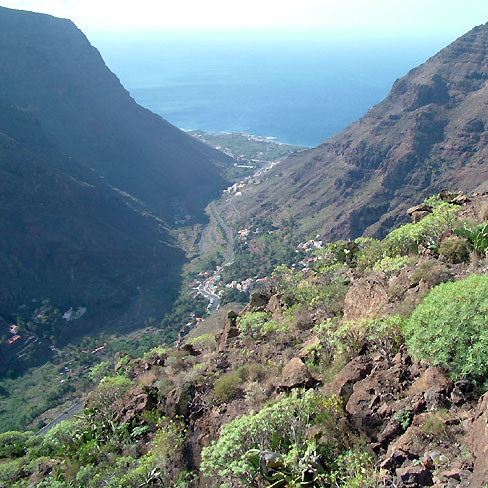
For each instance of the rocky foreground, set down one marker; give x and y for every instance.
(324, 379)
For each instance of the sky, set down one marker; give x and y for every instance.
(350, 18)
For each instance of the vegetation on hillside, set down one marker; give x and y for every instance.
(141, 424)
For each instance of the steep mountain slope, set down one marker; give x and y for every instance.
(427, 134)
(50, 68)
(66, 233)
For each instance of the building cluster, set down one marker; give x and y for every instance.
(310, 245)
(235, 188)
(72, 315)
(13, 329)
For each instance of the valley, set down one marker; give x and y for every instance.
(144, 316)
(223, 310)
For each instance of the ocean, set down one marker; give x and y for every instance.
(299, 92)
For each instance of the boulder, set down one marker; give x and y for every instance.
(415, 476)
(435, 385)
(344, 381)
(418, 212)
(367, 297)
(453, 197)
(295, 374)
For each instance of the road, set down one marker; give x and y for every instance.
(228, 234)
(206, 289)
(233, 206)
(69, 413)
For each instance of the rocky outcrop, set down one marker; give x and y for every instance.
(131, 406)
(179, 399)
(229, 331)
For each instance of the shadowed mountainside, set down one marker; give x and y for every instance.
(91, 182)
(65, 232)
(427, 134)
(50, 68)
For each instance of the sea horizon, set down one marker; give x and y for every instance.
(298, 93)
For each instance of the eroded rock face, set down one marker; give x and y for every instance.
(131, 406)
(367, 297)
(179, 399)
(478, 444)
(229, 331)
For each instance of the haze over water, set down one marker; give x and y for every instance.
(299, 92)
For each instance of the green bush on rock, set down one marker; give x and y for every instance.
(407, 238)
(449, 328)
(283, 431)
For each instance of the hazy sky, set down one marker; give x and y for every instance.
(355, 18)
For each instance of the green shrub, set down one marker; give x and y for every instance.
(98, 371)
(13, 444)
(354, 469)
(348, 338)
(404, 417)
(431, 272)
(448, 328)
(204, 341)
(408, 237)
(390, 265)
(10, 472)
(251, 323)
(273, 327)
(478, 237)
(227, 386)
(370, 252)
(283, 428)
(259, 324)
(156, 467)
(454, 249)
(343, 252)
